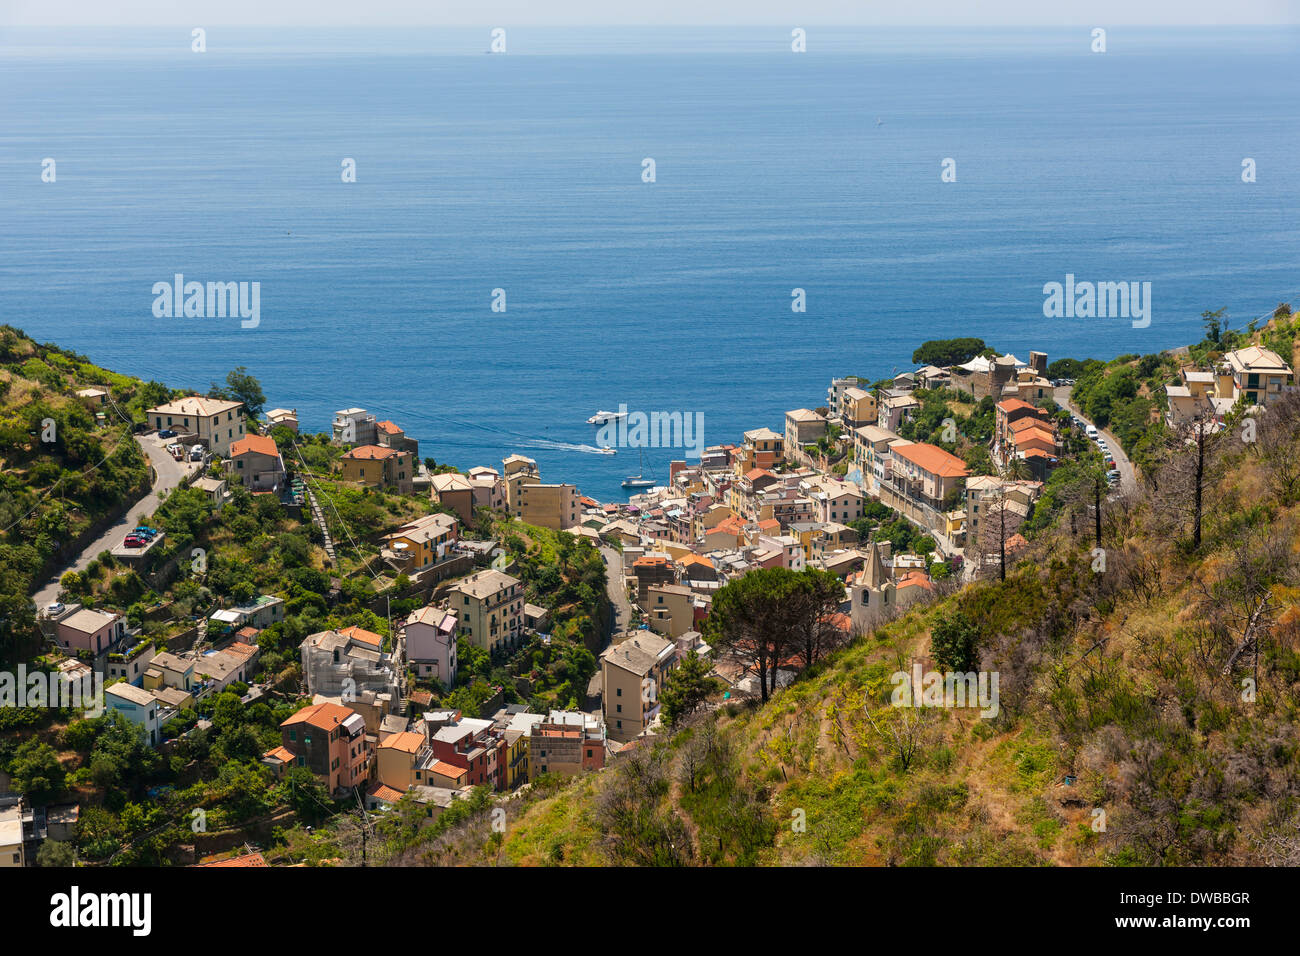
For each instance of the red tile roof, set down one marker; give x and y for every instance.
(362, 635)
(325, 716)
(406, 741)
(442, 768)
(1014, 404)
(1021, 424)
(915, 578)
(933, 459)
(370, 453)
(282, 754)
(259, 444)
(387, 794)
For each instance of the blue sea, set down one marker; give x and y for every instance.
(774, 171)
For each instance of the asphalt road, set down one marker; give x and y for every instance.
(614, 587)
(168, 473)
(618, 599)
(1127, 474)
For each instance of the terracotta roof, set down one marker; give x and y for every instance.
(1014, 404)
(406, 741)
(384, 792)
(442, 768)
(915, 578)
(1029, 421)
(282, 754)
(732, 525)
(370, 453)
(388, 428)
(1028, 434)
(840, 621)
(362, 635)
(324, 716)
(259, 444)
(240, 649)
(650, 560)
(933, 459)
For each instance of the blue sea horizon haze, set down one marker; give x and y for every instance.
(774, 171)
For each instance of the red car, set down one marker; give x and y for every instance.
(134, 541)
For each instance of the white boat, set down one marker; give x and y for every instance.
(602, 450)
(639, 480)
(601, 418)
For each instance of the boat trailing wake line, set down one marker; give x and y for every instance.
(567, 446)
(514, 438)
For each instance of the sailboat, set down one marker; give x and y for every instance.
(639, 480)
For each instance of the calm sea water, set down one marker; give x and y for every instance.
(523, 172)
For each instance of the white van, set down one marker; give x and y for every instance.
(1092, 431)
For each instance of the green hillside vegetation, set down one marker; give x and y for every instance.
(52, 491)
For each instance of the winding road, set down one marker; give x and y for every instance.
(167, 472)
(1127, 474)
(615, 589)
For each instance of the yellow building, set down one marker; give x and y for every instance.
(215, 421)
(379, 467)
(633, 673)
(397, 757)
(489, 608)
(424, 541)
(670, 609)
(858, 408)
(547, 506)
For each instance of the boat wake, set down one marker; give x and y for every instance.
(567, 446)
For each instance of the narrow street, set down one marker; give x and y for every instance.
(622, 608)
(1127, 474)
(168, 473)
(614, 588)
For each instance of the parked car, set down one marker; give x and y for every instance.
(145, 531)
(1113, 475)
(1110, 462)
(196, 453)
(167, 433)
(55, 608)
(134, 541)
(1091, 430)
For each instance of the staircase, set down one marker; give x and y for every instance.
(319, 517)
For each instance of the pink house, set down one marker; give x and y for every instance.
(87, 630)
(431, 644)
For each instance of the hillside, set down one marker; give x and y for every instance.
(61, 471)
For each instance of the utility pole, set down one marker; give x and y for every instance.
(365, 823)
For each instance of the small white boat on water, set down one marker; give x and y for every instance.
(601, 418)
(602, 450)
(639, 480)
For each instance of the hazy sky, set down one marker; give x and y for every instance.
(937, 13)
